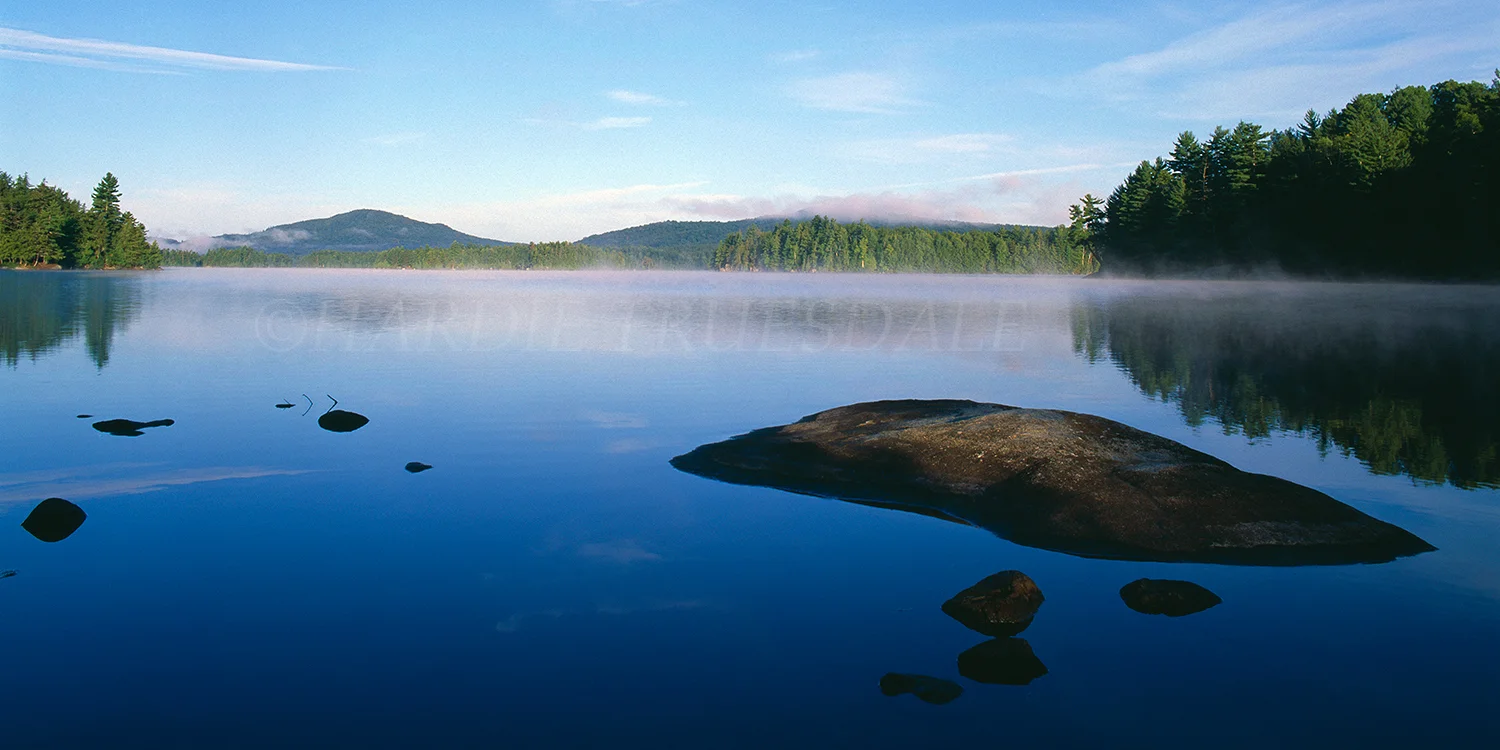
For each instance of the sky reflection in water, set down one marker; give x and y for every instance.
(245, 576)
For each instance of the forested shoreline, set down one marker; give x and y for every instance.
(822, 244)
(818, 244)
(1398, 185)
(42, 227)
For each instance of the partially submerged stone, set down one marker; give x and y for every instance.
(934, 690)
(1171, 598)
(339, 420)
(1057, 480)
(54, 520)
(129, 427)
(417, 467)
(1002, 661)
(998, 606)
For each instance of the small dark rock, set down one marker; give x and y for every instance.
(1170, 598)
(339, 420)
(1003, 661)
(934, 690)
(129, 427)
(417, 467)
(54, 520)
(1001, 605)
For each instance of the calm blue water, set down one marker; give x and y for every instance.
(247, 579)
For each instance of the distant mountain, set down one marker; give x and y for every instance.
(364, 230)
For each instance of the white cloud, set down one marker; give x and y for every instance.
(625, 96)
(862, 92)
(27, 45)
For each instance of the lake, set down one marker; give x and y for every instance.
(247, 577)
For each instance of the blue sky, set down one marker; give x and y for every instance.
(554, 119)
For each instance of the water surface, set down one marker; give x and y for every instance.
(247, 576)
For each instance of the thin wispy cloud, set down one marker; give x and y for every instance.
(27, 45)
(395, 139)
(794, 56)
(616, 123)
(625, 96)
(925, 149)
(1278, 61)
(603, 123)
(122, 479)
(859, 92)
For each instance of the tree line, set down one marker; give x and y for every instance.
(1400, 184)
(459, 256)
(823, 244)
(41, 227)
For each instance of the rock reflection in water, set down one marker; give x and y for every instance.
(54, 520)
(1002, 661)
(934, 690)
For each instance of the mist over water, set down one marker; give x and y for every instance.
(553, 580)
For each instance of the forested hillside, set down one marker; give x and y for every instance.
(362, 230)
(536, 255)
(40, 226)
(1401, 184)
(822, 244)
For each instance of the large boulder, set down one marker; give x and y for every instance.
(1057, 480)
(999, 606)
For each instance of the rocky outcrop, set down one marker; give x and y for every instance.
(1057, 480)
(933, 690)
(1171, 598)
(999, 606)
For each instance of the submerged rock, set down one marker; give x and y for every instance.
(999, 606)
(1002, 661)
(1057, 480)
(934, 690)
(54, 520)
(129, 427)
(339, 420)
(1170, 598)
(417, 467)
